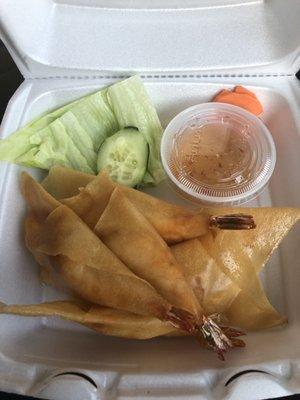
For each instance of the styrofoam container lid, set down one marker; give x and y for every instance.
(97, 37)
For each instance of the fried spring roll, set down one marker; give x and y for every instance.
(125, 230)
(64, 182)
(58, 237)
(256, 246)
(105, 320)
(90, 195)
(134, 240)
(213, 289)
(251, 308)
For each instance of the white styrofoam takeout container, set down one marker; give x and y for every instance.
(185, 51)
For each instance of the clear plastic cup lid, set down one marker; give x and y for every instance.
(218, 153)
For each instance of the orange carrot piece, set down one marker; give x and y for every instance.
(240, 97)
(243, 90)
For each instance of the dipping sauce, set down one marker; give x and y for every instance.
(211, 154)
(218, 153)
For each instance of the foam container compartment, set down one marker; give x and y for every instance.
(66, 49)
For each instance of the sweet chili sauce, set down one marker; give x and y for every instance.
(211, 154)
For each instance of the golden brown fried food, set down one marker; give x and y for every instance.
(105, 320)
(251, 308)
(91, 201)
(256, 246)
(221, 272)
(125, 230)
(131, 237)
(218, 293)
(253, 313)
(127, 325)
(58, 238)
(213, 289)
(64, 182)
(173, 223)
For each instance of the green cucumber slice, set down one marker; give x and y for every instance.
(132, 107)
(124, 155)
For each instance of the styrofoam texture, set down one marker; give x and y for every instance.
(79, 38)
(268, 46)
(34, 349)
(156, 4)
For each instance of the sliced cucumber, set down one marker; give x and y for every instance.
(124, 155)
(132, 107)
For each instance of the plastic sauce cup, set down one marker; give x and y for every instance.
(218, 153)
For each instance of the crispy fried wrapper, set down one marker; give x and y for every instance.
(172, 222)
(58, 238)
(272, 225)
(242, 256)
(251, 308)
(252, 314)
(65, 182)
(105, 320)
(216, 273)
(213, 289)
(133, 239)
(89, 195)
(220, 295)
(125, 230)
(92, 199)
(127, 325)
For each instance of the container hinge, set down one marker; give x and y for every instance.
(173, 76)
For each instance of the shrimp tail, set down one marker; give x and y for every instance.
(182, 320)
(220, 339)
(232, 222)
(212, 336)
